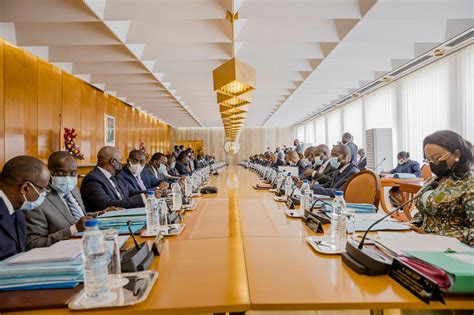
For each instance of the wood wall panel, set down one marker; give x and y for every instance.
(37, 100)
(253, 140)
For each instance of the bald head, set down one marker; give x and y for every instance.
(136, 155)
(346, 137)
(322, 149)
(62, 161)
(109, 159)
(22, 169)
(342, 153)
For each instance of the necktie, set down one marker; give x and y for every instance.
(73, 206)
(116, 186)
(140, 182)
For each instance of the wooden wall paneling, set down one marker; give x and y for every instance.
(2, 105)
(30, 76)
(101, 104)
(130, 124)
(88, 100)
(71, 104)
(47, 110)
(14, 101)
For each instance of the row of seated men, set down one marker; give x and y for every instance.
(54, 208)
(447, 205)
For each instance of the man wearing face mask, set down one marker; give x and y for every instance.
(170, 166)
(321, 170)
(294, 160)
(158, 167)
(102, 188)
(62, 214)
(341, 161)
(23, 187)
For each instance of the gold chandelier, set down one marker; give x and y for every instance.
(233, 82)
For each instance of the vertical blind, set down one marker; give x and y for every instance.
(438, 96)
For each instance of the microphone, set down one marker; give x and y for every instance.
(366, 261)
(380, 163)
(129, 225)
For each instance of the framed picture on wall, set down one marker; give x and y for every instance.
(109, 133)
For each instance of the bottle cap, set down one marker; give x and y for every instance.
(305, 180)
(150, 193)
(91, 223)
(339, 193)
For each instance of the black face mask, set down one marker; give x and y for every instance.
(440, 169)
(117, 166)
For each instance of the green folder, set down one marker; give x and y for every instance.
(460, 265)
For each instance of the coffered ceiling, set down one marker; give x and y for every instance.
(159, 54)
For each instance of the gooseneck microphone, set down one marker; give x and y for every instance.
(129, 225)
(380, 163)
(366, 261)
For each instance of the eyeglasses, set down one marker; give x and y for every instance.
(438, 160)
(62, 173)
(43, 189)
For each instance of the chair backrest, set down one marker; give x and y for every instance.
(426, 172)
(363, 187)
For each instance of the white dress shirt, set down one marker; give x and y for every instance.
(108, 175)
(7, 202)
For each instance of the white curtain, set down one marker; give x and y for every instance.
(320, 131)
(464, 72)
(353, 120)
(425, 106)
(379, 108)
(309, 133)
(333, 127)
(300, 133)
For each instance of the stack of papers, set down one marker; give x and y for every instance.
(357, 207)
(57, 266)
(119, 219)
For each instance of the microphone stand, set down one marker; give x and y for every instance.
(378, 165)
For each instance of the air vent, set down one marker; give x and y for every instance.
(411, 65)
(370, 86)
(343, 100)
(460, 40)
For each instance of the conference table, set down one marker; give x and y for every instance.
(239, 252)
(408, 187)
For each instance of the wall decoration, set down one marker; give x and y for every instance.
(109, 130)
(70, 143)
(141, 147)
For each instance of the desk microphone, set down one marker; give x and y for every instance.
(129, 225)
(380, 163)
(366, 261)
(314, 204)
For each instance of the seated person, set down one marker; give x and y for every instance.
(340, 161)
(139, 177)
(170, 166)
(182, 166)
(158, 167)
(102, 188)
(362, 162)
(321, 169)
(405, 165)
(23, 187)
(275, 162)
(62, 214)
(449, 208)
(294, 160)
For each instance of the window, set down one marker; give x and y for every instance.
(353, 117)
(320, 130)
(334, 128)
(309, 133)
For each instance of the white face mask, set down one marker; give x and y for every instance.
(318, 160)
(135, 169)
(63, 184)
(30, 205)
(162, 168)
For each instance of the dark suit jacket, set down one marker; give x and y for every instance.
(362, 163)
(181, 168)
(98, 193)
(12, 235)
(337, 181)
(353, 147)
(173, 171)
(147, 176)
(301, 167)
(51, 222)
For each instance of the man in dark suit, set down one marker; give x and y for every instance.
(158, 167)
(101, 188)
(23, 187)
(362, 162)
(348, 140)
(341, 161)
(182, 166)
(135, 173)
(294, 160)
(62, 214)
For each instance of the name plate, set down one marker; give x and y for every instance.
(314, 224)
(418, 284)
(289, 203)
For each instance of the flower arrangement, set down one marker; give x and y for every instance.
(141, 147)
(70, 143)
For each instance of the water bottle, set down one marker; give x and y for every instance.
(288, 185)
(177, 196)
(94, 256)
(152, 210)
(163, 212)
(188, 187)
(306, 196)
(338, 222)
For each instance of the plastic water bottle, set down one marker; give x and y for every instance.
(338, 222)
(94, 255)
(306, 196)
(152, 210)
(288, 185)
(188, 187)
(177, 196)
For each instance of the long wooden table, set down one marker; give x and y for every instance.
(240, 252)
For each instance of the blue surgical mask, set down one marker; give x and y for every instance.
(162, 168)
(30, 205)
(318, 161)
(334, 162)
(63, 184)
